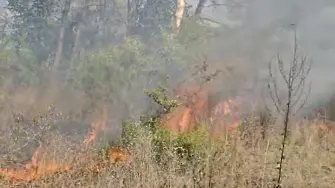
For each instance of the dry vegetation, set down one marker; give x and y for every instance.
(234, 162)
(247, 158)
(88, 123)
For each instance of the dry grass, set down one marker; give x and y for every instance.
(309, 163)
(246, 160)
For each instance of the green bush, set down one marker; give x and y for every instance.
(166, 144)
(23, 68)
(110, 69)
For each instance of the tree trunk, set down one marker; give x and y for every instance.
(59, 50)
(199, 8)
(179, 14)
(129, 18)
(75, 49)
(76, 45)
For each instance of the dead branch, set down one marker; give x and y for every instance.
(295, 82)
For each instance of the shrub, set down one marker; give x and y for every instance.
(23, 68)
(106, 71)
(166, 144)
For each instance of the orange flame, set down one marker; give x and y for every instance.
(97, 127)
(116, 155)
(225, 117)
(185, 120)
(191, 111)
(195, 109)
(34, 169)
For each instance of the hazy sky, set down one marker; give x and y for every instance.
(261, 29)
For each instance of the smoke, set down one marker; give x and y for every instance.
(252, 36)
(262, 28)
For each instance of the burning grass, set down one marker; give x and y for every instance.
(185, 154)
(238, 161)
(45, 165)
(34, 169)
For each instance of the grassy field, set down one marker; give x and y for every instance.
(246, 159)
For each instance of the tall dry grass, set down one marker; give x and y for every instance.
(247, 160)
(232, 162)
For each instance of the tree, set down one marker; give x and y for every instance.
(60, 40)
(179, 14)
(37, 20)
(294, 81)
(79, 25)
(215, 3)
(146, 18)
(199, 8)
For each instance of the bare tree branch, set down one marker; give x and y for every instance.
(295, 81)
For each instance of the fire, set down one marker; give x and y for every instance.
(179, 120)
(116, 155)
(223, 116)
(190, 112)
(185, 119)
(97, 127)
(34, 169)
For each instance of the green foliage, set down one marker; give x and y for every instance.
(193, 35)
(23, 68)
(103, 73)
(150, 122)
(178, 52)
(35, 27)
(173, 52)
(159, 95)
(129, 133)
(34, 18)
(148, 17)
(187, 146)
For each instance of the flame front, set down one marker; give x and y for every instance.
(190, 112)
(34, 169)
(97, 127)
(224, 116)
(117, 155)
(195, 109)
